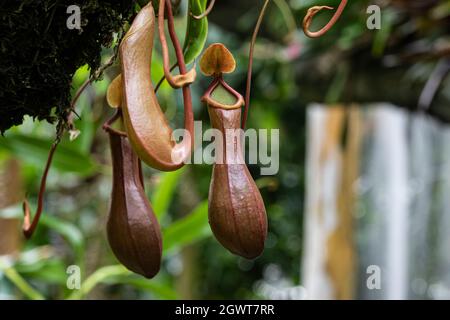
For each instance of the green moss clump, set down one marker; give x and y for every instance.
(39, 54)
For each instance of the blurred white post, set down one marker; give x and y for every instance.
(320, 211)
(391, 152)
(332, 170)
(381, 209)
(400, 213)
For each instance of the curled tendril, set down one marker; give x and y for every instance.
(207, 11)
(316, 9)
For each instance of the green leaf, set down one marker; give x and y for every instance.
(192, 228)
(70, 232)
(35, 151)
(99, 276)
(163, 195)
(21, 284)
(67, 230)
(160, 290)
(81, 75)
(48, 270)
(196, 31)
(157, 67)
(382, 35)
(119, 274)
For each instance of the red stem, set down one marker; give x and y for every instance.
(250, 64)
(29, 228)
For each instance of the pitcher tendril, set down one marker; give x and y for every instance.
(316, 9)
(185, 77)
(195, 38)
(30, 226)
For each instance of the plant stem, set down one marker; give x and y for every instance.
(30, 226)
(250, 63)
(207, 11)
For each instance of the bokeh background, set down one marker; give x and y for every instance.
(363, 181)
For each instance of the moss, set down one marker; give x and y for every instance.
(39, 54)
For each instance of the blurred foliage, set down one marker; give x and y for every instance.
(349, 64)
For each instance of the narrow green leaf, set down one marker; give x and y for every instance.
(163, 195)
(50, 270)
(22, 285)
(80, 75)
(160, 290)
(35, 151)
(188, 230)
(67, 230)
(98, 277)
(382, 35)
(196, 31)
(119, 274)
